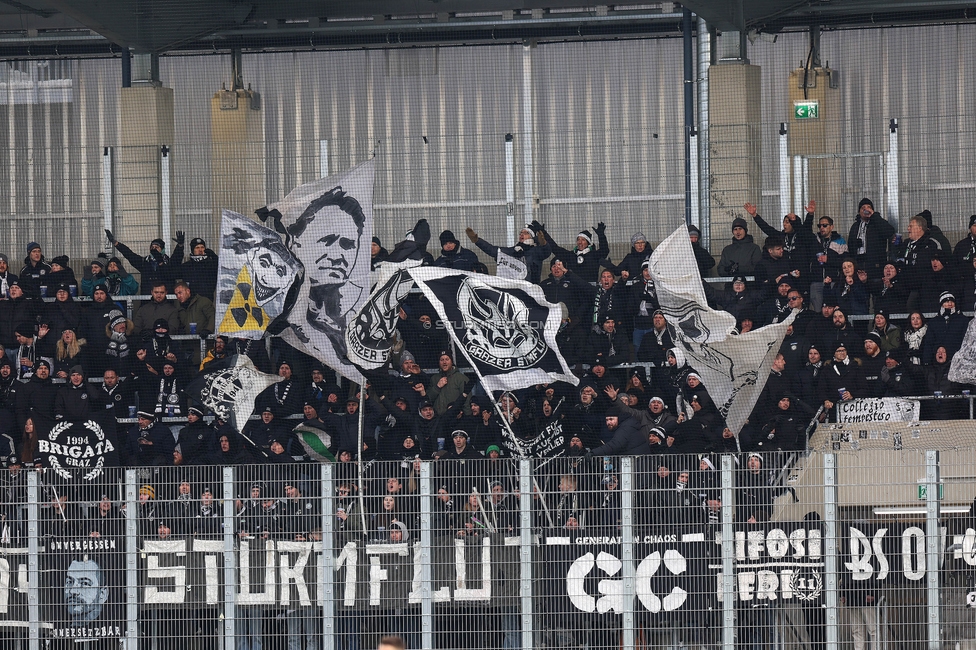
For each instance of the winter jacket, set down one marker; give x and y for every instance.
(77, 403)
(740, 257)
(198, 310)
(459, 259)
(627, 440)
(530, 254)
(151, 311)
(154, 267)
(198, 271)
(945, 331)
(877, 234)
(585, 263)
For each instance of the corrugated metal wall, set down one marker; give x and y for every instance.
(605, 131)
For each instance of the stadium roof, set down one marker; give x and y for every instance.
(44, 27)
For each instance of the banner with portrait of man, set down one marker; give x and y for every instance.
(327, 225)
(82, 582)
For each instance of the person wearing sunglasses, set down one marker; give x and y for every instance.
(826, 259)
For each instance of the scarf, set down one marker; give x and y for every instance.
(862, 234)
(118, 345)
(602, 305)
(168, 397)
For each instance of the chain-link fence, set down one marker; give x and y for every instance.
(870, 541)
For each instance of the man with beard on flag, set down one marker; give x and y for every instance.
(327, 226)
(733, 366)
(504, 327)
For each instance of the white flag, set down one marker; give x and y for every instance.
(328, 225)
(370, 335)
(509, 267)
(733, 367)
(680, 292)
(963, 367)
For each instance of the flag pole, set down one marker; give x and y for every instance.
(508, 427)
(359, 457)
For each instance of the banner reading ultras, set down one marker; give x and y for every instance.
(677, 570)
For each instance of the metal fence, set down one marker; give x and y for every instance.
(774, 551)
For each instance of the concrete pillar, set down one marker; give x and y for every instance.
(818, 136)
(146, 114)
(735, 160)
(237, 147)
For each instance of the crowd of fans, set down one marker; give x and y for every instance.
(425, 407)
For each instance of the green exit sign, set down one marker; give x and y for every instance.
(923, 491)
(808, 110)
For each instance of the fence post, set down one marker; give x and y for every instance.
(426, 579)
(230, 561)
(627, 531)
(933, 538)
(525, 549)
(327, 574)
(830, 549)
(131, 561)
(728, 555)
(33, 551)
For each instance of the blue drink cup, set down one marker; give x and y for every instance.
(73, 290)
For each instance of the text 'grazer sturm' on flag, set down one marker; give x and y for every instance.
(228, 387)
(371, 334)
(327, 225)
(505, 328)
(733, 367)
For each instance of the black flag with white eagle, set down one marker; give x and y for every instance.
(505, 328)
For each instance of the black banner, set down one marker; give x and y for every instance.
(677, 570)
(82, 587)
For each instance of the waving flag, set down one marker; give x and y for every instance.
(370, 336)
(228, 387)
(505, 328)
(328, 226)
(256, 273)
(734, 367)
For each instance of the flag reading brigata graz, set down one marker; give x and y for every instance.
(505, 328)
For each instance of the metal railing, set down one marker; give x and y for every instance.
(614, 552)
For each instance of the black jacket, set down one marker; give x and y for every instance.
(627, 440)
(878, 233)
(200, 274)
(152, 268)
(76, 403)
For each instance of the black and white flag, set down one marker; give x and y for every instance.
(505, 328)
(327, 225)
(256, 273)
(734, 367)
(370, 335)
(229, 386)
